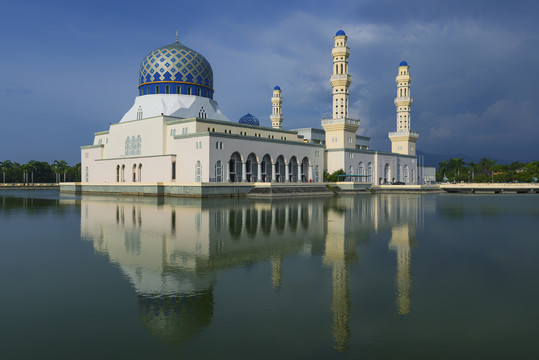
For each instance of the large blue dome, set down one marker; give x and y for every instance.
(340, 32)
(175, 69)
(249, 119)
(403, 63)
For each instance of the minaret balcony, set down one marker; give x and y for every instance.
(402, 100)
(411, 134)
(340, 51)
(340, 121)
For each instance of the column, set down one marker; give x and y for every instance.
(273, 175)
(259, 175)
(311, 173)
(243, 171)
(287, 172)
(227, 171)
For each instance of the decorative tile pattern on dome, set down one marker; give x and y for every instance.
(249, 119)
(176, 62)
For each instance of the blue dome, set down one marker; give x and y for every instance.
(276, 88)
(249, 119)
(340, 32)
(403, 63)
(176, 69)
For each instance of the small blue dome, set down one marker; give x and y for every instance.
(249, 119)
(403, 63)
(340, 32)
(276, 88)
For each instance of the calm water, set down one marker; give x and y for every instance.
(371, 276)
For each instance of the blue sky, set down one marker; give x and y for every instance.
(70, 68)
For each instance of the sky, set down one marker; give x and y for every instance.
(70, 68)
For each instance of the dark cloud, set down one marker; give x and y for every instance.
(474, 67)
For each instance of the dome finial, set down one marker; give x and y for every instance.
(176, 36)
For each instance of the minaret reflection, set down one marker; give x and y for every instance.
(339, 255)
(400, 242)
(407, 213)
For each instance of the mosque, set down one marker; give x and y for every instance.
(176, 133)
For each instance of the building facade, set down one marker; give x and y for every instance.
(176, 133)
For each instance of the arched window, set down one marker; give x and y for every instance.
(369, 172)
(406, 173)
(361, 171)
(127, 146)
(138, 145)
(198, 172)
(219, 171)
(140, 172)
(86, 174)
(118, 173)
(387, 174)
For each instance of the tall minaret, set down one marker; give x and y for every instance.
(340, 129)
(403, 140)
(277, 111)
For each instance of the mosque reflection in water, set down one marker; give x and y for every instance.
(171, 249)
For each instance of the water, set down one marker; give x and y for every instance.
(370, 276)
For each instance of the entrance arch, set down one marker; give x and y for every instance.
(251, 168)
(305, 175)
(280, 169)
(234, 165)
(266, 169)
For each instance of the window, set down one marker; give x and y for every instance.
(86, 174)
(167, 89)
(157, 89)
(147, 90)
(178, 90)
(198, 172)
(198, 92)
(219, 171)
(174, 170)
(189, 91)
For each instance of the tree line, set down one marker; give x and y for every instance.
(486, 170)
(38, 172)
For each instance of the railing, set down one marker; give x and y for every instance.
(403, 98)
(341, 77)
(404, 133)
(340, 121)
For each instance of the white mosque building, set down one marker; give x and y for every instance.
(176, 133)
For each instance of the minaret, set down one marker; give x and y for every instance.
(277, 111)
(403, 140)
(340, 129)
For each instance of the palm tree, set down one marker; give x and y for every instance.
(473, 167)
(5, 165)
(59, 167)
(486, 165)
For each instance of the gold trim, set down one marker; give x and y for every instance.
(175, 82)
